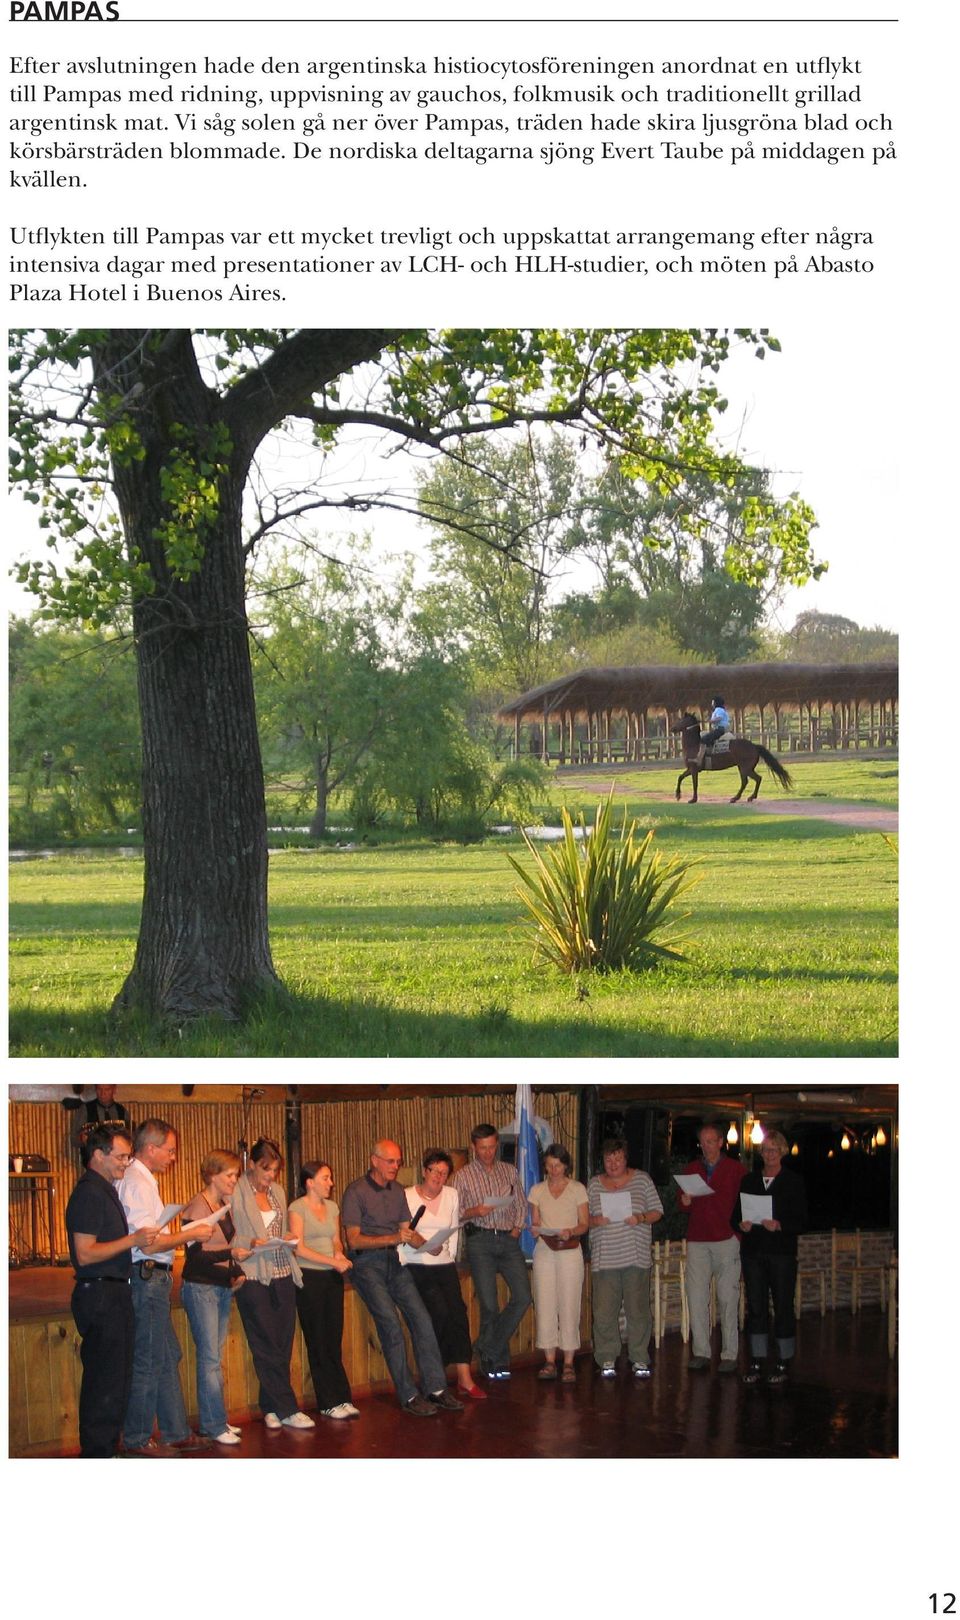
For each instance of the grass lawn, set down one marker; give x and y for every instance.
(419, 949)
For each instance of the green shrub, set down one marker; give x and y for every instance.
(599, 902)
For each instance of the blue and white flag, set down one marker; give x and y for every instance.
(528, 1158)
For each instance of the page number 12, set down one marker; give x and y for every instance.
(943, 1602)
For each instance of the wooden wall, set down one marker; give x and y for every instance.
(342, 1132)
(45, 1369)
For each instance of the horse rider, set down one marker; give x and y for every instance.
(719, 727)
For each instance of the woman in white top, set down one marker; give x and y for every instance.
(434, 1268)
(559, 1219)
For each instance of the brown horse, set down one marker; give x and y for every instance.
(741, 752)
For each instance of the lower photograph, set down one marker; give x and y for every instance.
(453, 1271)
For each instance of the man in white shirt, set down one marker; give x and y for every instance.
(155, 1393)
(719, 726)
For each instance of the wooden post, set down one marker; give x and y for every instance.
(516, 735)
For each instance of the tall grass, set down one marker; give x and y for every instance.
(599, 902)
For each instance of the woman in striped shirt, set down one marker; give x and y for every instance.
(621, 1258)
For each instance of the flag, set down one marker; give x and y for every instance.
(528, 1158)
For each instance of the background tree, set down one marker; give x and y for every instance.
(74, 735)
(432, 766)
(703, 563)
(170, 422)
(829, 638)
(500, 524)
(326, 632)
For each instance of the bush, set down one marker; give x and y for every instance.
(598, 903)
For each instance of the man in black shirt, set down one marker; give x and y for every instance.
(100, 1247)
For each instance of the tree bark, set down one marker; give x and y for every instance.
(318, 825)
(203, 948)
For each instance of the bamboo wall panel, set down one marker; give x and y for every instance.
(44, 1128)
(345, 1132)
(342, 1132)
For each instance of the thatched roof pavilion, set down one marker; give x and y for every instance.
(625, 713)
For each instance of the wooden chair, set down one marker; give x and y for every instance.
(847, 1245)
(805, 1274)
(669, 1271)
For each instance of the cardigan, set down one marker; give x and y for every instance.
(248, 1224)
(789, 1208)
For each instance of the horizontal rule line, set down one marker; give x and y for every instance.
(500, 22)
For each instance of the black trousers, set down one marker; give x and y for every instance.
(268, 1312)
(439, 1288)
(770, 1276)
(320, 1309)
(103, 1312)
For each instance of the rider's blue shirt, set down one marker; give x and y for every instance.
(720, 717)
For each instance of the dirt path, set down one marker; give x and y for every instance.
(868, 817)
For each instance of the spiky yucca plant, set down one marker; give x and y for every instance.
(599, 902)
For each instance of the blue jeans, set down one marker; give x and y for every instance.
(490, 1253)
(387, 1290)
(208, 1311)
(155, 1392)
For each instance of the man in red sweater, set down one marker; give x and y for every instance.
(713, 1250)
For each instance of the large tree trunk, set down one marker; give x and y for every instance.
(203, 948)
(179, 474)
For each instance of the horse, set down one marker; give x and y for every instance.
(740, 752)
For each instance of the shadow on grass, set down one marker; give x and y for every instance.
(316, 1027)
(377, 920)
(815, 975)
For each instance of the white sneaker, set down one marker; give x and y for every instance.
(227, 1438)
(344, 1410)
(608, 1370)
(234, 1428)
(298, 1420)
(272, 1421)
(350, 1409)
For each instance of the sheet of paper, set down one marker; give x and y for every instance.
(168, 1213)
(756, 1207)
(694, 1186)
(212, 1219)
(498, 1203)
(616, 1206)
(434, 1240)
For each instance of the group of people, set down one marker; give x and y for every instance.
(400, 1247)
(722, 1244)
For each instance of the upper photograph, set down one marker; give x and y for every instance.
(450, 693)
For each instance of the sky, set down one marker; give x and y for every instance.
(815, 415)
